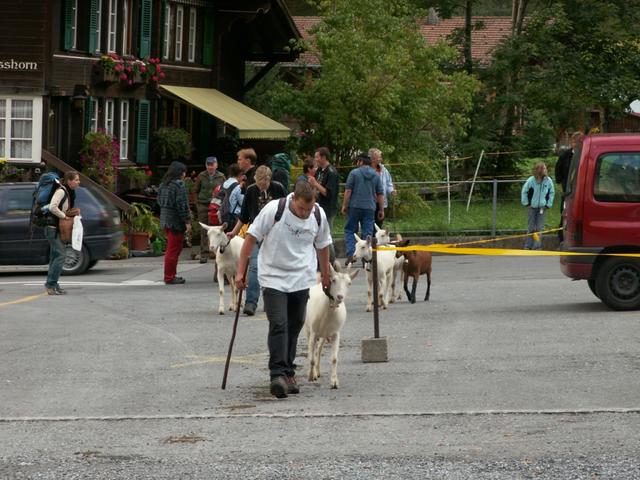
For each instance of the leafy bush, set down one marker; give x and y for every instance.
(172, 144)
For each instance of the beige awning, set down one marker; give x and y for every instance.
(249, 123)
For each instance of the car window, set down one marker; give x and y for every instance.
(19, 202)
(617, 177)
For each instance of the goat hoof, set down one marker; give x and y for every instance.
(334, 386)
(220, 312)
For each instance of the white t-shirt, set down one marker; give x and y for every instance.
(287, 260)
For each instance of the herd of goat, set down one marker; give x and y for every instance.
(327, 313)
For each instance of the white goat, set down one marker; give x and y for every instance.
(227, 256)
(386, 262)
(383, 238)
(324, 320)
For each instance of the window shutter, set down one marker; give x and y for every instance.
(142, 140)
(145, 29)
(207, 43)
(67, 18)
(93, 25)
(163, 15)
(88, 115)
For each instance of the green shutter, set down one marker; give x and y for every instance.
(67, 18)
(142, 148)
(163, 15)
(207, 43)
(145, 28)
(88, 114)
(93, 25)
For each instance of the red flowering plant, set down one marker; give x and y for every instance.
(128, 67)
(99, 157)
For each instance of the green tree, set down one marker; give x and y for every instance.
(380, 85)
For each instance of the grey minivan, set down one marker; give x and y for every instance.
(22, 245)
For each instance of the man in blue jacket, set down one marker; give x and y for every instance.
(362, 193)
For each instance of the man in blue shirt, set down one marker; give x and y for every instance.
(362, 193)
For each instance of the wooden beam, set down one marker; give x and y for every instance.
(259, 76)
(50, 159)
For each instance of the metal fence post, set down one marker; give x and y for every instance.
(494, 208)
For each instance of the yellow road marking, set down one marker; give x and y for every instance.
(22, 300)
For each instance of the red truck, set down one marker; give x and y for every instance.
(602, 216)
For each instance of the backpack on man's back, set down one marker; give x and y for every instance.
(225, 215)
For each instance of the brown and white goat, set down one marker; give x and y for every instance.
(417, 263)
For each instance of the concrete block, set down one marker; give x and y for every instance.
(375, 350)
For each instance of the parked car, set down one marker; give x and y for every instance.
(22, 245)
(602, 216)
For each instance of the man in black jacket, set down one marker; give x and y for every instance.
(257, 196)
(327, 183)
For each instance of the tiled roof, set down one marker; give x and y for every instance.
(483, 41)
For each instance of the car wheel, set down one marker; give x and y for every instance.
(92, 264)
(75, 262)
(592, 286)
(618, 283)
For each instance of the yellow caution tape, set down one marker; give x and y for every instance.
(443, 248)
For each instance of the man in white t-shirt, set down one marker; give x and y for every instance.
(286, 270)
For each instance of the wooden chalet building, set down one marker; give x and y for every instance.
(56, 84)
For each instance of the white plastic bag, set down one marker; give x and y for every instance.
(76, 233)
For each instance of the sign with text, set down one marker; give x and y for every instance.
(18, 65)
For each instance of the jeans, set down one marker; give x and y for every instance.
(57, 253)
(174, 247)
(332, 250)
(253, 286)
(285, 312)
(361, 217)
(535, 224)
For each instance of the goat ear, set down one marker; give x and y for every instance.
(204, 227)
(224, 226)
(358, 239)
(377, 227)
(398, 237)
(336, 266)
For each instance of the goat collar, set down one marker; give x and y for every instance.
(225, 246)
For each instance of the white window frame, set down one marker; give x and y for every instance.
(166, 37)
(109, 113)
(98, 25)
(74, 25)
(93, 121)
(179, 31)
(124, 129)
(36, 130)
(125, 26)
(112, 30)
(193, 19)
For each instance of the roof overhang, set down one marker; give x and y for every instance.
(249, 123)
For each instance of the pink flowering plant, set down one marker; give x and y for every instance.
(126, 68)
(99, 157)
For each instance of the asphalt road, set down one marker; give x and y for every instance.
(509, 371)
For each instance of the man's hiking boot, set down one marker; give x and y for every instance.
(292, 386)
(250, 309)
(53, 291)
(278, 387)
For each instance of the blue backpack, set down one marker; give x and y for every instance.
(47, 186)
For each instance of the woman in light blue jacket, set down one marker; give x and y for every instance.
(537, 194)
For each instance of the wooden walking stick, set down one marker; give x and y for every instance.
(235, 328)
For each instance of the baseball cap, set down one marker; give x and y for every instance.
(211, 160)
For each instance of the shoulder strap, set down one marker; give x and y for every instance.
(282, 203)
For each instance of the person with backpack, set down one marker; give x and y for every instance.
(280, 165)
(231, 197)
(60, 208)
(287, 269)
(537, 194)
(206, 182)
(175, 218)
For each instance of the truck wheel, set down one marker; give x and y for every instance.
(618, 283)
(75, 263)
(592, 286)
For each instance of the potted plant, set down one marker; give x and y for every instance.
(132, 178)
(141, 224)
(172, 144)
